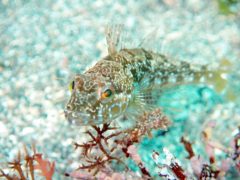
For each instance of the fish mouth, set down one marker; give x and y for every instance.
(81, 118)
(77, 118)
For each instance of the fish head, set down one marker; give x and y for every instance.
(95, 100)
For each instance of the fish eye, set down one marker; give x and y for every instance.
(71, 85)
(106, 93)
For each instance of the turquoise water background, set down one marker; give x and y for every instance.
(44, 43)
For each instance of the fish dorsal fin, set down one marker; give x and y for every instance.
(113, 38)
(150, 38)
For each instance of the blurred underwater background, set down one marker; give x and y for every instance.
(43, 44)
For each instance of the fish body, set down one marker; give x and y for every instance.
(123, 83)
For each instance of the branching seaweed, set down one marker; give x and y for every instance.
(26, 166)
(108, 144)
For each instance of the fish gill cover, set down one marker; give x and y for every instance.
(43, 44)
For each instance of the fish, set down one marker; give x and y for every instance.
(127, 82)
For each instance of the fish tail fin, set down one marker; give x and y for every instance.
(220, 80)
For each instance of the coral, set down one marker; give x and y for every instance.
(170, 169)
(213, 169)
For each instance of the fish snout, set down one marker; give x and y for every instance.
(76, 118)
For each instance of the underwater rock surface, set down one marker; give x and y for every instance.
(43, 44)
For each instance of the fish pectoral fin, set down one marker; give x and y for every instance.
(145, 98)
